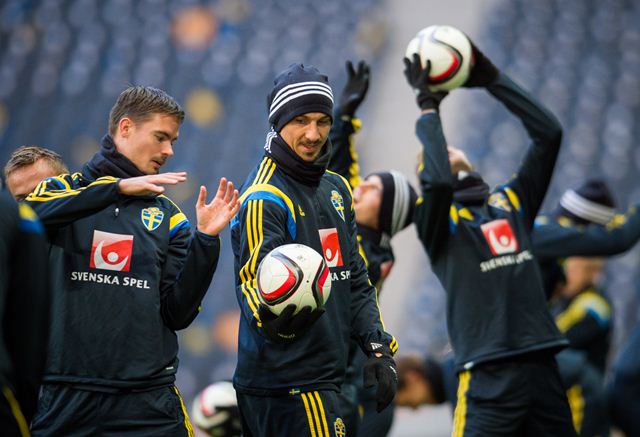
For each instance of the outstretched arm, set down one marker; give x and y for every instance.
(192, 259)
(436, 180)
(552, 240)
(344, 159)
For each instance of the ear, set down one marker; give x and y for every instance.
(125, 127)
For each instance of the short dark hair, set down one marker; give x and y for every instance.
(27, 155)
(409, 363)
(139, 103)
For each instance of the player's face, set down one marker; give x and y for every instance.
(458, 160)
(367, 198)
(306, 134)
(415, 392)
(581, 273)
(148, 144)
(24, 180)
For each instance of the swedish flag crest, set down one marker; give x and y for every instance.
(151, 218)
(339, 428)
(338, 203)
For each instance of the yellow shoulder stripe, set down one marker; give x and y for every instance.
(270, 189)
(176, 219)
(453, 214)
(513, 198)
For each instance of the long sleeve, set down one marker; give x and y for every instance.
(529, 185)
(189, 268)
(344, 158)
(259, 227)
(26, 314)
(436, 184)
(366, 320)
(552, 240)
(63, 199)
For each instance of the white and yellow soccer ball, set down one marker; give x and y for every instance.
(293, 274)
(450, 53)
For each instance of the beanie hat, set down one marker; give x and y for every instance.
(298, 90)
(591, 203)
(398, 202)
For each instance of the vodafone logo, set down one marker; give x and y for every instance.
(500, 237)
(111, 251)
(331, 247)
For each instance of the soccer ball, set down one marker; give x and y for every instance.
(449, 51)
(293, 274)
(215, 410)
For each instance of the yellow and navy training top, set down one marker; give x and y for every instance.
(278, 210)
(25, 297)
(585, 319)
(127, 274)
(556, 238)
(482, 251)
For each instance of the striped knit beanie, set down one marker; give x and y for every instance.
(398, 202)
(591, 203)
(298, 90)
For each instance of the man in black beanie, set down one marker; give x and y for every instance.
(384, 203)
(585, 223)
(291, 367)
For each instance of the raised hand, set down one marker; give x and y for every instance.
(151, 184)
(355, 89)
(418, 78)
(214, 216)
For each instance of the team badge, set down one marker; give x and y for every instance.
(331, 247)
(500, 237)
(339, 428)
(499, 200)
(111, 251)
(338, 203)
(151, 218)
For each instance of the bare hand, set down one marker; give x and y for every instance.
(150, 184)
(214, 216)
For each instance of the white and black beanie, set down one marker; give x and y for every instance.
(591, 203)
(298, 90)
(398, 202)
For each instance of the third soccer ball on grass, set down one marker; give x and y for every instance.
(293, 274)
(449, 51)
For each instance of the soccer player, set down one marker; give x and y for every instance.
(479, 244)
(29, 165)
(383, 203)
(291, 366)
(24, 309)
(128, 273)
(585, 223)
(582, 312)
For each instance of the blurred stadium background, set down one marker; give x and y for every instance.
(63, 62)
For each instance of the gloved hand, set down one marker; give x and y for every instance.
(418, 78)
(381, 368)
(287, 327)
(355, 89)
(483, 72)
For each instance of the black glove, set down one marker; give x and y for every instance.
(483, 72)
(381, 368)
(418, 78)
(355, 89)
(287, 327)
